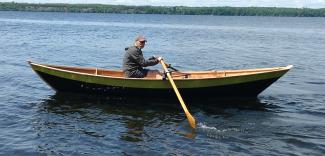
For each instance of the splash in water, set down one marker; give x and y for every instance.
(215, 132)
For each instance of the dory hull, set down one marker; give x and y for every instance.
(251, 89)
(245, 89)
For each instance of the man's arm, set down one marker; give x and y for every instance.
(138, 56)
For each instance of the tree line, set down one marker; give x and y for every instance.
(179, 10)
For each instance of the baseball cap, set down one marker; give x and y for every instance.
(140, 38)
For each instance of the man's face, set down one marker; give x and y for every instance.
(140, 44)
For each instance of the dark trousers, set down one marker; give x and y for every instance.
(136, 73)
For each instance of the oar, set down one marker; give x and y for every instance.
(190, 118)
(170, 66)
(167, 65)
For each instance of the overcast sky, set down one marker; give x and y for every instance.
(233, 3)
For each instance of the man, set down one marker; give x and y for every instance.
(134, 61)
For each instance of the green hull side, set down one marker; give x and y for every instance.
(157, 84)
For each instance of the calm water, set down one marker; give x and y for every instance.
(286, 119)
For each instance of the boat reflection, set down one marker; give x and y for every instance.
(132, 116)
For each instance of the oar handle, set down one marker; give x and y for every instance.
(170, 66)
(167, 64)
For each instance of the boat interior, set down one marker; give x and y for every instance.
(175, 74)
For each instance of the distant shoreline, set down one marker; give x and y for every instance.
(172, 10)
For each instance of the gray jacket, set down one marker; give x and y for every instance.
(134, 61)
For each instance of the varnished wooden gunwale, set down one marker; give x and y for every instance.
(176, 75)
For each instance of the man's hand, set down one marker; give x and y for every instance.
(159, 58)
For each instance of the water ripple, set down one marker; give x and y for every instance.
(35, 120)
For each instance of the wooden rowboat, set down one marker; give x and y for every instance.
(193, 84)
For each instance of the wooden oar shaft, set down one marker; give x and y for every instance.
(190, 118)
(177, 92)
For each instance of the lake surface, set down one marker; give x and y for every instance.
(286, 119)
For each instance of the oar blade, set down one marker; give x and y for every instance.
(191, 120)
